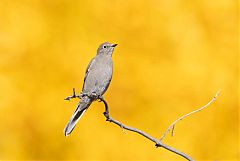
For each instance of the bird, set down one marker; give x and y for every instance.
(97, 78)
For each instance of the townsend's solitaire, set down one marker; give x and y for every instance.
(96, 81)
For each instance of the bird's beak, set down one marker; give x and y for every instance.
(113, 45)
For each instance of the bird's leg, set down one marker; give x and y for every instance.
(72, 96)
(92, 95)
(82, 94)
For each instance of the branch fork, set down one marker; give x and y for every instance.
(73, 96)
(172, 125)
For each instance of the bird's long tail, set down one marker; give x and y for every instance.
(83, 105)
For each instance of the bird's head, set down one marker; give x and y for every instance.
(106, 48)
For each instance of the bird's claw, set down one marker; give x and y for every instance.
(90, 95)
(93, 95)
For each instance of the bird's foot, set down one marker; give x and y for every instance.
(92, 95)
(72, 96)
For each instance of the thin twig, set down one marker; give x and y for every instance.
(157, 142)
(172, 126)
(72, 96)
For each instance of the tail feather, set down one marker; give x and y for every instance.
(82, 107)
(73, 121)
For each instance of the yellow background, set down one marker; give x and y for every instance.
(172, 58)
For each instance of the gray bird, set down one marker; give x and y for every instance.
(96, 81)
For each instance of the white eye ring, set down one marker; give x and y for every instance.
(104, 46)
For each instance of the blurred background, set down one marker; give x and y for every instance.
(172, 57)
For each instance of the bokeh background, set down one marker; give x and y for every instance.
(172, 58)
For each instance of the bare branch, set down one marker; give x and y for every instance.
(172, 126)
(157, 142)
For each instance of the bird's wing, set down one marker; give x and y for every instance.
(88, 70)
(107, 84)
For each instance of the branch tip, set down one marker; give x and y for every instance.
(172, 126)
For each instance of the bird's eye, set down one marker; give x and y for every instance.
(104, 46)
